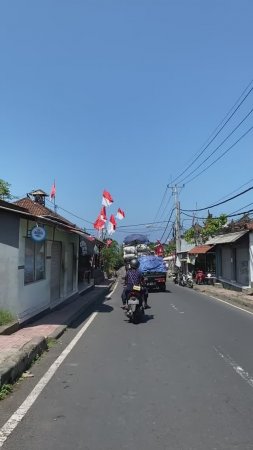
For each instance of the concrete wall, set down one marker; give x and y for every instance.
(34, 298)
(9, 257)
(235, 262)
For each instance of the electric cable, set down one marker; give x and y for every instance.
(221, 156)
(220, 203)
(227, 215)
(173, 209)
(229, 118)
(217, 148)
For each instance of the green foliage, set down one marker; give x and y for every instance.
(112, 257)
(189, 235)
(5, 193)
(213, 226)
(5, 390)
(210, 228)
(5, 317)
(169, 248)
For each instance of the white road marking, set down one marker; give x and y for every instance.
(227, 303)
(176, 309)
(238, 369)
(19, 414)
(111, 293)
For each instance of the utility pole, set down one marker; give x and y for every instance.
(177, 222)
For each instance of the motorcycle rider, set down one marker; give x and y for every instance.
(134, 277)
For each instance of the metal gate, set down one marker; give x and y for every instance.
(55, 270)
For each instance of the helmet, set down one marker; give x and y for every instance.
(134, 263)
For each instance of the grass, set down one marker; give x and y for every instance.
(5, 390)
(51, 342)
(5, 317)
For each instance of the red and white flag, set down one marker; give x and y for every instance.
(99, 224)
(53, 192)
(111, 225)
(120, 214)
(107, 199)
(103, 214)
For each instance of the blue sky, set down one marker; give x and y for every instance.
(120, 95)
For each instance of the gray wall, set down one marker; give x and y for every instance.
(9, 259)
(9, 229)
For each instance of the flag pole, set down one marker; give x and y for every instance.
(54, 198)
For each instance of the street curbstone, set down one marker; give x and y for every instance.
(17, 363)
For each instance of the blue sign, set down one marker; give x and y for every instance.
(38, 234)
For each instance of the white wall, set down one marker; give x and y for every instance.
(34, 298)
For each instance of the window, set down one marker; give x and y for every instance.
(34, 261)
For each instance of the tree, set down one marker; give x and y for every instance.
(211, 227)
(112, 257)
(5, 193)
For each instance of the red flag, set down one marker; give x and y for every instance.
(107, 199)
(99, 224)
(120, 214)
(111, 225)
(103, 214)
(53, 192)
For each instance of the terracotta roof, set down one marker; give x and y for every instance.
(249, 226)
(200, 249)
(39, 210)
(13, 206)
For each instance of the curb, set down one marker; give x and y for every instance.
(13, 367)
(235, 301)
(16, 364)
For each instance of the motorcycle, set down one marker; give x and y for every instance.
(135, 308)
(189, 280)
(182, 280)
(175, 278)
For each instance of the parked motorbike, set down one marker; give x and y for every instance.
(175, 278)
(182, 280)
(189, 280)
(135, 308)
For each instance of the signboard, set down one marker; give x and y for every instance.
(38, 234)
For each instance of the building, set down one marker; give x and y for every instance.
(39, 254)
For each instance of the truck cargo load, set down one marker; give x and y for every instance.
(151, 263)
(154, 271)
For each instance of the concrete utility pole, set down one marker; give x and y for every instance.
(177, 222)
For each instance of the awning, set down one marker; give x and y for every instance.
(200, 249)
(227, 238)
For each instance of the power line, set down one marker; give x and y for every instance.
(221, 156)
(245, 206)
(72, 214)
(166, 239)
(227, 215)
(219, 146)
(164, 195)
(220, 203)
(235, 190)
(206, 146)
(173, 209)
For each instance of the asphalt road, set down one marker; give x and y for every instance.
(182, 380)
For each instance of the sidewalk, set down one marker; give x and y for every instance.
(236, 298)
(18, 350)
